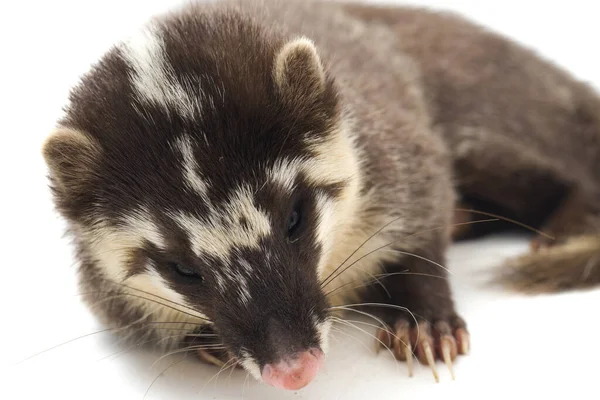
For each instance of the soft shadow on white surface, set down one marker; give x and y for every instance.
(521, 346)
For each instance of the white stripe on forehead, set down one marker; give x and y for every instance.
(220, 232)
(140, 226)
(190, 167)
(330, 164)
(153, 77)
(284, 173)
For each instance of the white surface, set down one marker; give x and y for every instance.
(521, 346)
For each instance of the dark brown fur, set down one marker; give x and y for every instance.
(524, 135)
(438, 107)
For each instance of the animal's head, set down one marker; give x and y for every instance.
(207, 161)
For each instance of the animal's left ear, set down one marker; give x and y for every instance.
(298, 70)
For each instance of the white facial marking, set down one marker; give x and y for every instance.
(242, 288)
(323, 328)
(110, 247)
(326, 221)
(153, 77)
(190, 167)
(250, 365)
(167, 301)
(220, 282)
(220, 232)
(245, 265)
(284, 173)
(152, 282)
(140, 226)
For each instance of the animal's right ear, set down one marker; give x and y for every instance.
(298, 70)
(70, 155)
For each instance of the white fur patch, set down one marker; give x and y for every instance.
(250, 365)
(284, 173)
(336, 159)
(220, 232)
(326, 223)
(110, 246)
(191, 168)
(152, 282)
(242, 288)
(220, 282)
(153, 78)
(323, 329)
(140, 226)
(245, 265)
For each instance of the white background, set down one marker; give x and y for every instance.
(521, 346)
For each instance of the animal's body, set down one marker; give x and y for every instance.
(240, 168)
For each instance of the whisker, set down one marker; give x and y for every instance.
(226, 365)
(63, 344)
(338, 330)
(347, 308)
(237, 362)
(367, 282)
(157, 340)
(368, 324)
(380, 284)
(384, 305)
(161, 298)
(359, 247)
(97, 333)
(162, 373)
(371, 335)
(116, 296)
(331, 278)
(420, 257)
(512, 221)
(202, 334)
(229, 364)
(188, 349)
(246, 381)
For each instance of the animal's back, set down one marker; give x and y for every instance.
(522, 133)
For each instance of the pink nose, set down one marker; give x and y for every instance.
(296, 373)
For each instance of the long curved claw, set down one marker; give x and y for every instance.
(447, 356)
(428, 351)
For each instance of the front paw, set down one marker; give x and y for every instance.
(441, 339)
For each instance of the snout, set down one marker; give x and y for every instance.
(294, 373)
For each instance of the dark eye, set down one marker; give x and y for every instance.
(294, 223)
(183, 270)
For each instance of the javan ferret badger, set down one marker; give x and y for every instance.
(237, 170)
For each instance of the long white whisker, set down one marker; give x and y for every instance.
(371, 335)
(189, 348)
(338, 330)
(162, 373)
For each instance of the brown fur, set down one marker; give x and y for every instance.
(437, 109)
(523, 133)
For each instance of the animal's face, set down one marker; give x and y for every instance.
(212, 169)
